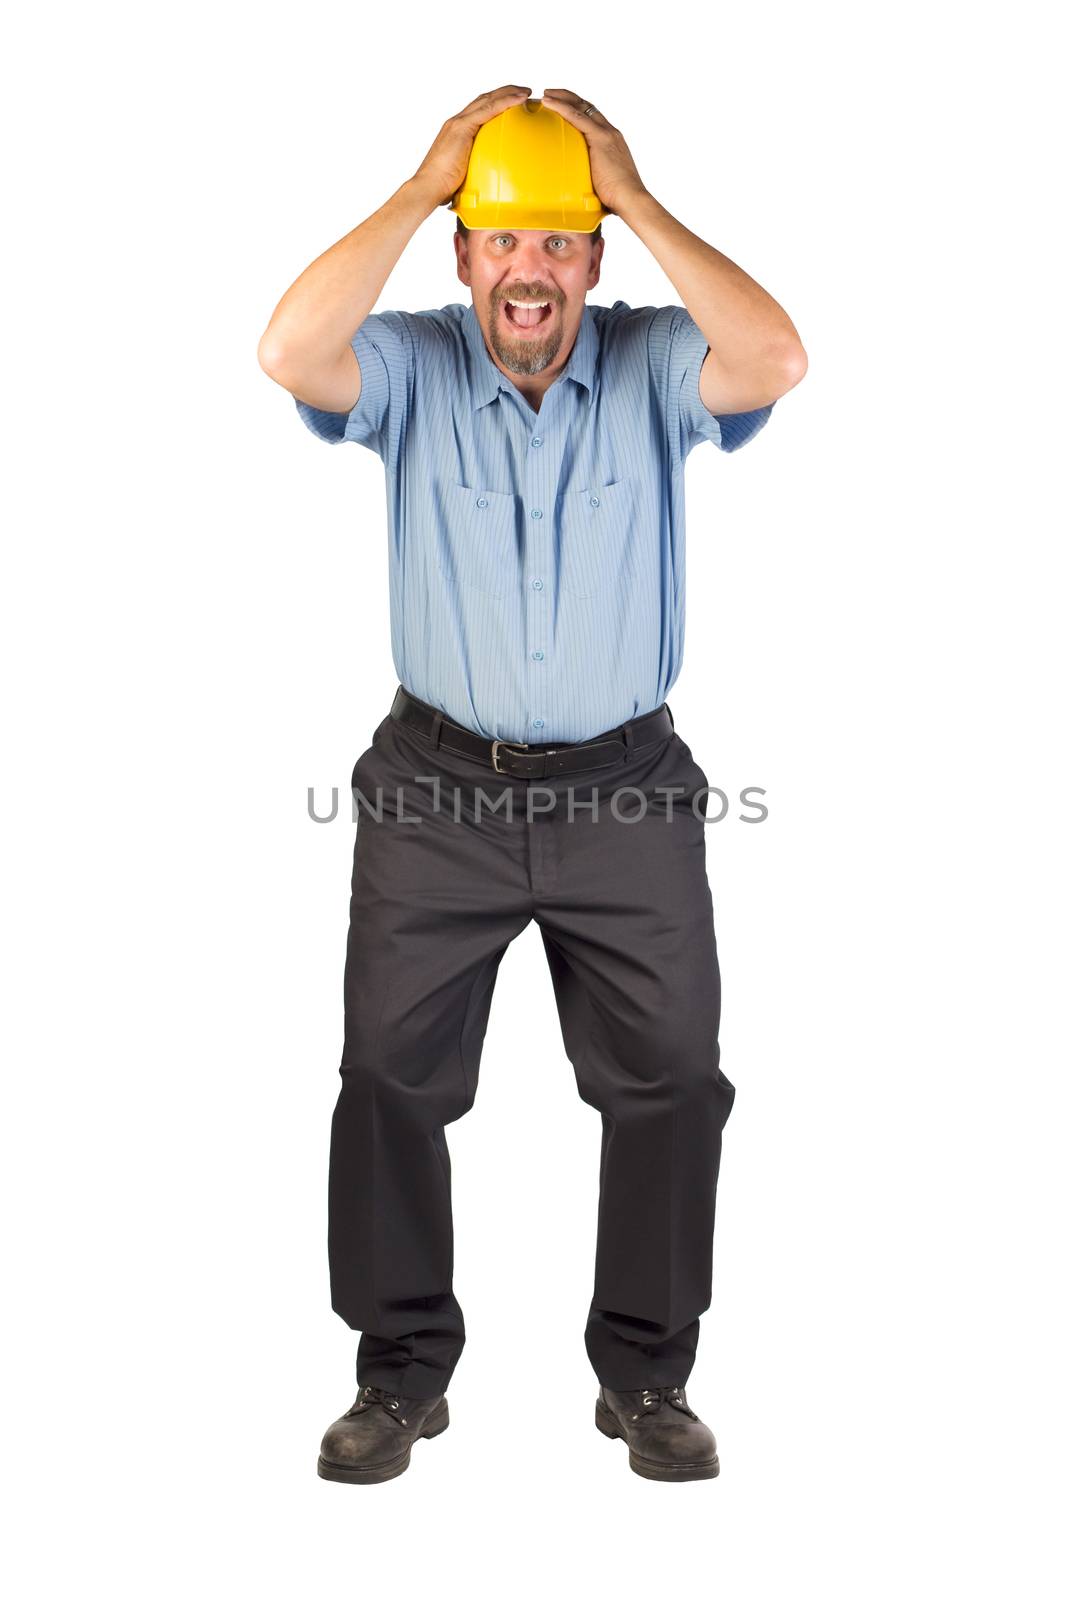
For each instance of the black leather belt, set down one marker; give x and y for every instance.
(507, 756)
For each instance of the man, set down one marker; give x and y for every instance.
(533, 447)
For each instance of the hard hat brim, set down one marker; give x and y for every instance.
(528, 220)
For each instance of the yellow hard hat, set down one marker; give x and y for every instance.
(528, 168)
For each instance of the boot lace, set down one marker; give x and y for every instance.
(371, 1395)
(667, 1394)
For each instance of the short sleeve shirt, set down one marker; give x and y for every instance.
(536, 558)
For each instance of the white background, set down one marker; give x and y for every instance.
(195, 629)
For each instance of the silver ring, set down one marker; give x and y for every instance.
(587, 110)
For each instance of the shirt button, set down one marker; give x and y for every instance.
(482, 501)
(537, 443)
(536, 513)
(539, 722)
(594, 501)
(538, 583)
(538, 655)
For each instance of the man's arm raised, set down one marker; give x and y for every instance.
(754, 353)
(307, 345)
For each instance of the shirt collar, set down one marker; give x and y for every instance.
(487, 379)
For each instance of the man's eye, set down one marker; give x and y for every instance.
(558, 241)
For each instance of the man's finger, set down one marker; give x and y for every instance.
(506, 92)
(571, 106)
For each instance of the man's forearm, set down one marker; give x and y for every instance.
(318, 315)
(746, 329)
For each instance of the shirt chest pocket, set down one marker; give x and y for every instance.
(596, 537)
(478, 539)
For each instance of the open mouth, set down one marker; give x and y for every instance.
(525, 315)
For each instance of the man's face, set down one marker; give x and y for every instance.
(522, 266)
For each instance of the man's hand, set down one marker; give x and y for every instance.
(611, 166)
(444, 166)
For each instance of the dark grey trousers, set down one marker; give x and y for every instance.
(622, 900)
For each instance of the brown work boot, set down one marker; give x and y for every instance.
(667, 1440)
(373, 1440)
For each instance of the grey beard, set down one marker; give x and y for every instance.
(527, 359)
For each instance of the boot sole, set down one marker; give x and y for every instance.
(383, 1472)
(686, 1472)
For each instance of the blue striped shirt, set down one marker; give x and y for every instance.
(536, 558)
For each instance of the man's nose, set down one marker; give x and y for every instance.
(528, 262)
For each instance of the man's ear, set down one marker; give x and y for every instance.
(463, 268)
(594, 263)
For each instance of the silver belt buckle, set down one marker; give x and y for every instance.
(507, 744)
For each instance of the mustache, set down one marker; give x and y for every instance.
(521, 292)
